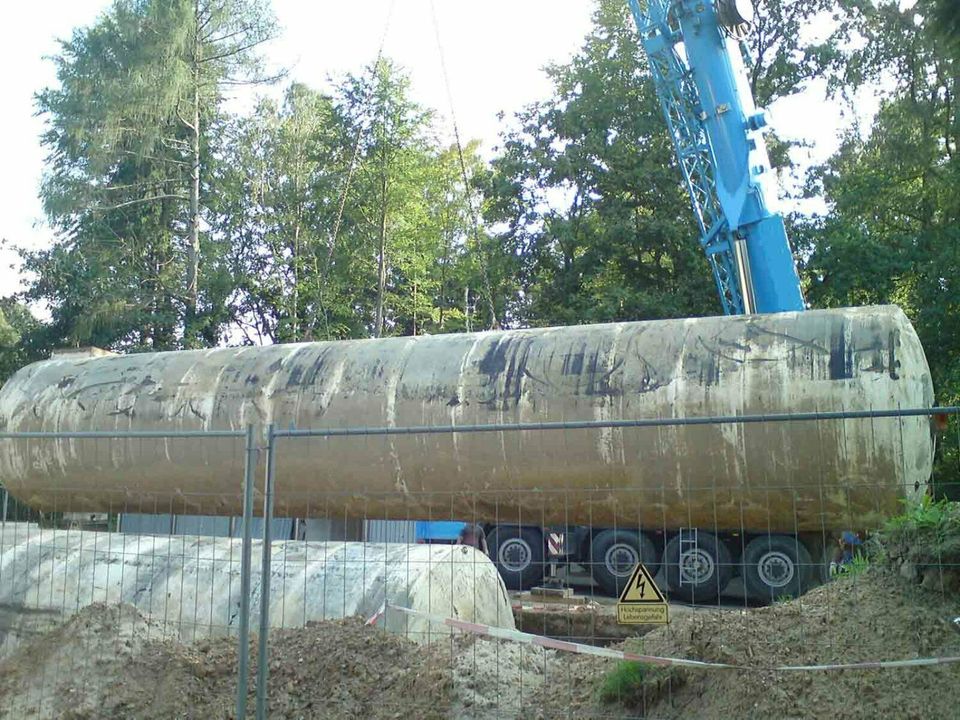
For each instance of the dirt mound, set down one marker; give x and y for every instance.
(498, 679)
(112, 662)
(868, 617)
(67, 671)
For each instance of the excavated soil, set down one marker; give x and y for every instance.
(111, 662)
(869, 617)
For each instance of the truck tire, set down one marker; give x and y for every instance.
(518, 554)
(697, 573)
(615, 553)
(776, 566)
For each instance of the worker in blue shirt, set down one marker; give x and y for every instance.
(849, 546)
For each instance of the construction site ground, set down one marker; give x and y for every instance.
(591, 616)
(111, 662)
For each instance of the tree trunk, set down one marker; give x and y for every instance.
(295, 315)
(382, 260)
(193, 248)
(298, 223)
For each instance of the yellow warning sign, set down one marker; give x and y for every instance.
(641, 602)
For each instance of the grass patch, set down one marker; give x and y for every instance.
(859, 564)
(926, 533)
(638, 685)
(939, 517)
(624, 683)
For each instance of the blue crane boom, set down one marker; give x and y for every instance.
(697, 66)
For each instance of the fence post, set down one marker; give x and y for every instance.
(262, 669)
(243, 649)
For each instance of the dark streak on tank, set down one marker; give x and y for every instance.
(705, 365)
(650, 379)
(296, 375)
(591, 373)
(604, 386)
(894, 343)
(876, 363)
(710, 369)
(316, 368)
(573, 362)
(539, 381)
(507, 359)
(494, 361)
(841, 356)
(754, 331)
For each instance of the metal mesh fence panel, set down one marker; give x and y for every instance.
(479, 571)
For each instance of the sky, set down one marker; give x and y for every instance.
(494, 50)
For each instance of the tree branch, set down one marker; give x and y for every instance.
(138, 201)
(235, 51)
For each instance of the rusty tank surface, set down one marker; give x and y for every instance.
(793, 477)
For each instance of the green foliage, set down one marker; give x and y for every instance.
(8, 334)
(639, 686)
(301, 268)
(127, 126)
(401, 220)
(945, 18)
(936, 517)
(783, 60)
(22, 338)
(926, 534)
(277, 162)
(595, 222)
(858, 565)
(624, 684)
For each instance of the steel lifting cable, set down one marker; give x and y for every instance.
(474, 215)
(352, 168)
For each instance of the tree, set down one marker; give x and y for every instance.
(204, 45)
(22, 338)
(345, 216)
(590, 198)
(406, 209)
(891, 234)
(783, 62)
(8, 334)
(279, 178)
(128, 132)
(945, 16)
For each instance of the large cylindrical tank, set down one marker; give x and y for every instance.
(796, 476)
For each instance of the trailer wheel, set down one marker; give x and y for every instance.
(614, 555)
(775, 566)
(518, 554)
(697, 571)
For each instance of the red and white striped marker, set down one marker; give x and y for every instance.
(555, 543)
